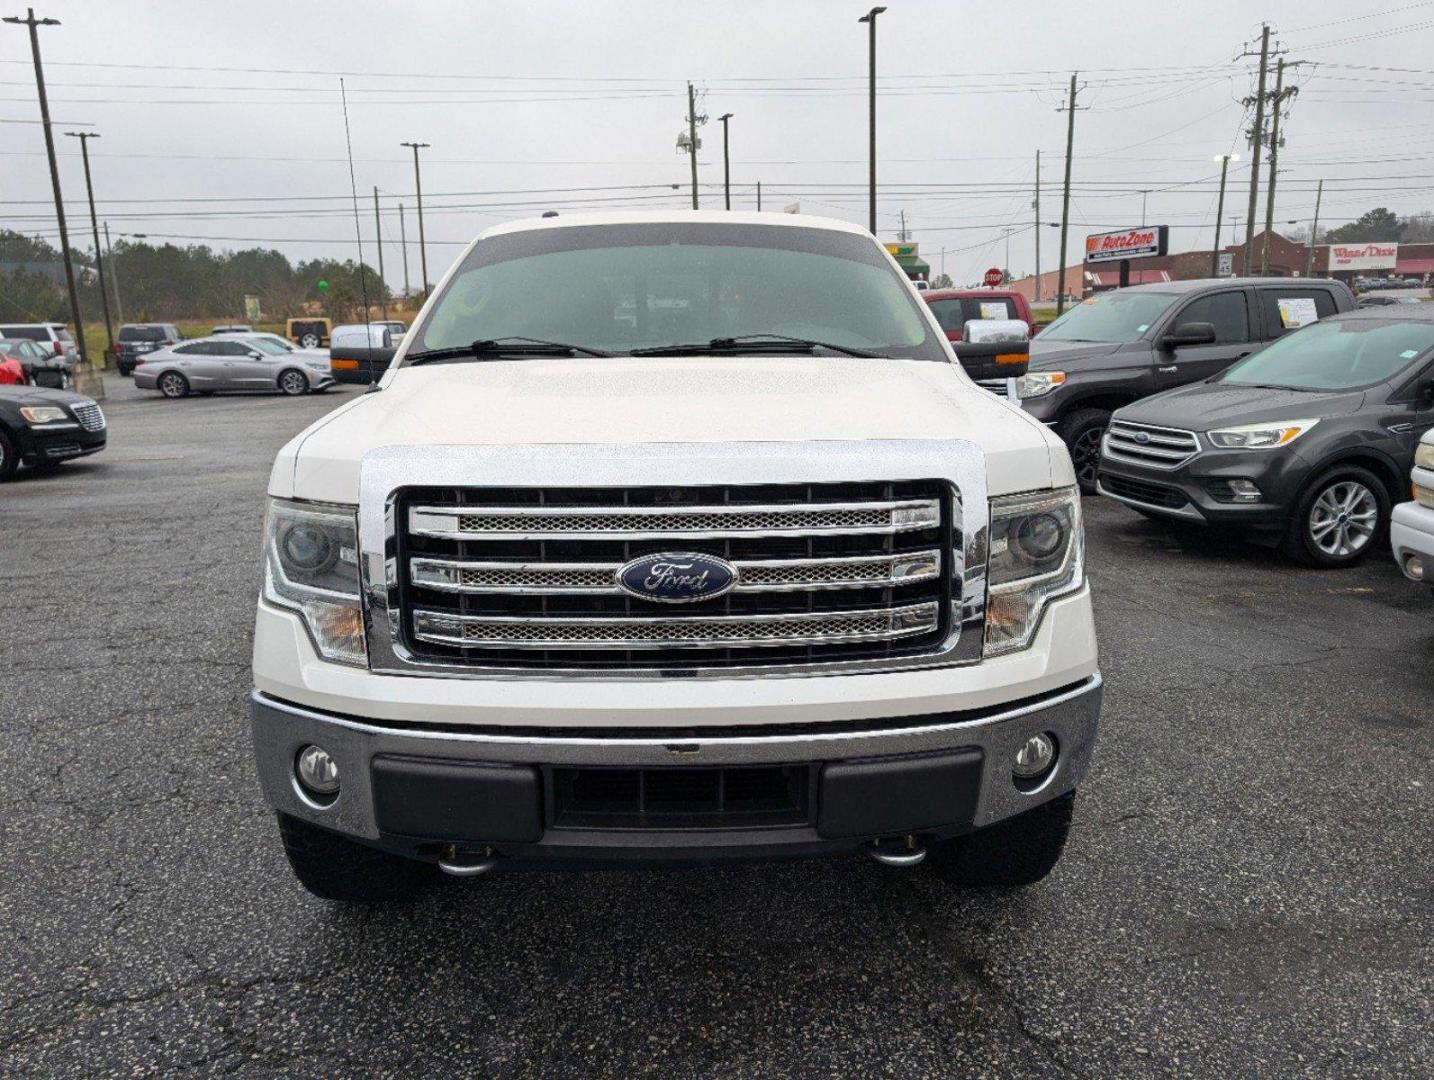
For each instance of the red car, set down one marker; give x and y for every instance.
(954, 307)
(12, 372)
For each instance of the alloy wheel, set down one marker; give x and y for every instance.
(171, 386)
(1085, 455)
(291, 382)
(1344, 518)
(309, 341)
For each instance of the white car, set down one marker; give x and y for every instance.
(1411, 525)
(233, 362)
(761, 573)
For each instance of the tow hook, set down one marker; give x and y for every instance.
(903, 851)
(467, 864)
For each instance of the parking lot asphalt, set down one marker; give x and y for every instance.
(1247, 891)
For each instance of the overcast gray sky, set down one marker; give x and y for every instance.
(221, 122)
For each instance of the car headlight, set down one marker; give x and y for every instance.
(43, 414)
(1265, 436)
(1424, 456)
(1037, 554)
(1038, 383)
(311, 567)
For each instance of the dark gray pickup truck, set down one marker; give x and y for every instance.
(1120, 346)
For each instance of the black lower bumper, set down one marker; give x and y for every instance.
(1199, 490)
(41, 446)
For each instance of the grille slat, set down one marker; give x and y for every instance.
(1145, 444)
(91, 416)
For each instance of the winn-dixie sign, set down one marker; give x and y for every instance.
(1363, 256)
(1126, 244)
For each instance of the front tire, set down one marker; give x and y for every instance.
(173, 385)
(1010, 854)
(1082, 430)
(333, 867)
(293, 383)
(1339, 518)
(9, 458)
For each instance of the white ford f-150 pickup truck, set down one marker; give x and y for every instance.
(663, 538)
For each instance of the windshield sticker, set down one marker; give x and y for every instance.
(1409, 354)
(993, 311)
(1297, 311)
(1142, 328)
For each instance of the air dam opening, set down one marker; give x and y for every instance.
(681, 798)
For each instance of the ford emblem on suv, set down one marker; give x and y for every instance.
(676, 577)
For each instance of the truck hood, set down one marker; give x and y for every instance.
(632, 401)
(1059, 355)
(1204, 406)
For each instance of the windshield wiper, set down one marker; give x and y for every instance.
(489, 348)
(751, 343)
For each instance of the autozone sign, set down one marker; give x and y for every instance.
(1127, 244)
(1363, 256)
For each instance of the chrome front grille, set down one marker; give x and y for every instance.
(825, 573)
(90, 416)
(999, 387)
(1144, 444)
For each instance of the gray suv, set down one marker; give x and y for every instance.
(1120, 346)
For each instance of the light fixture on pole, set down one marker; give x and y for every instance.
(870, 19)
(726, 163)
(1224, 160)
(418, 193)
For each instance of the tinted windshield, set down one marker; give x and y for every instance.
(1336, 355)
(141, 333)
(621, 287)
(33, 333)
(1114, 316)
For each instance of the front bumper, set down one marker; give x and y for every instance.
(59, 442)
(423, 791)
(1411, 535)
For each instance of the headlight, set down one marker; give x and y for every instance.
(1260, 436)
(1037, 554)
(1424, 496)
(1038, 383)
(43, 414)
(1424, 456)
(311, 566)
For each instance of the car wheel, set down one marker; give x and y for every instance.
(9, 457)
(173, 385)
(1082, 431)
(125, 371)
(1009, 854)
(1339, 518)
(333, 867)
(309, 341)
(293, 383)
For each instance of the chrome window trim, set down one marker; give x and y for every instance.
(385, 471)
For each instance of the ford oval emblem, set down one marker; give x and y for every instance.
(1141, 437)
(676, 577)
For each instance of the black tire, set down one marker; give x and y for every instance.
(172, 385)
(309, 340)
(333, 867)
(293, 382)
(1317, 535)
(1081, 430)
(9, 457)
(1008, 855)
(126, 370)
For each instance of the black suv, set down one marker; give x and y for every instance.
(1306, 444)
(136, 339)
(1118, 347)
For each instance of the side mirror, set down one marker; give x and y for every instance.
(994, 349)
(1425, 396)
(1190, 333)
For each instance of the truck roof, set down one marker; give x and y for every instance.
(676, 217)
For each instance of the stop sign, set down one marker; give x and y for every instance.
(993, 277)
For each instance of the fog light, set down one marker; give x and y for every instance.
(1244, 491)
(1035, 756)
(1414, 567)
(318, 771)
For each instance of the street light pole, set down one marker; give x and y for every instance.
(403, 246)
(378, 243)
(726, 163)
(418, 191)
(85, 137)
(34, 24)
(1224, 160)
(870, 19)
(1314, 231)
(114, 272)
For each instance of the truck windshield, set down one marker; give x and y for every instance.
(1112, 316)
(620, 287)
(1336, 355)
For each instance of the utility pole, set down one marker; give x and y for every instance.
(870, 19)
(418, 191)
(1278, 106)
(1314, 231)
(1256, 145)
(34, 24)
(726, 163)
(692, 139)
(403, 246)
(114, 272)
(1224, 160)
(1066, 196)
(1036, 205)
(85, 137)
(378, 243)
(759, 195)
(901, 233)
(1143, 194)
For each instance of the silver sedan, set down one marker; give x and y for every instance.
(233, 362)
